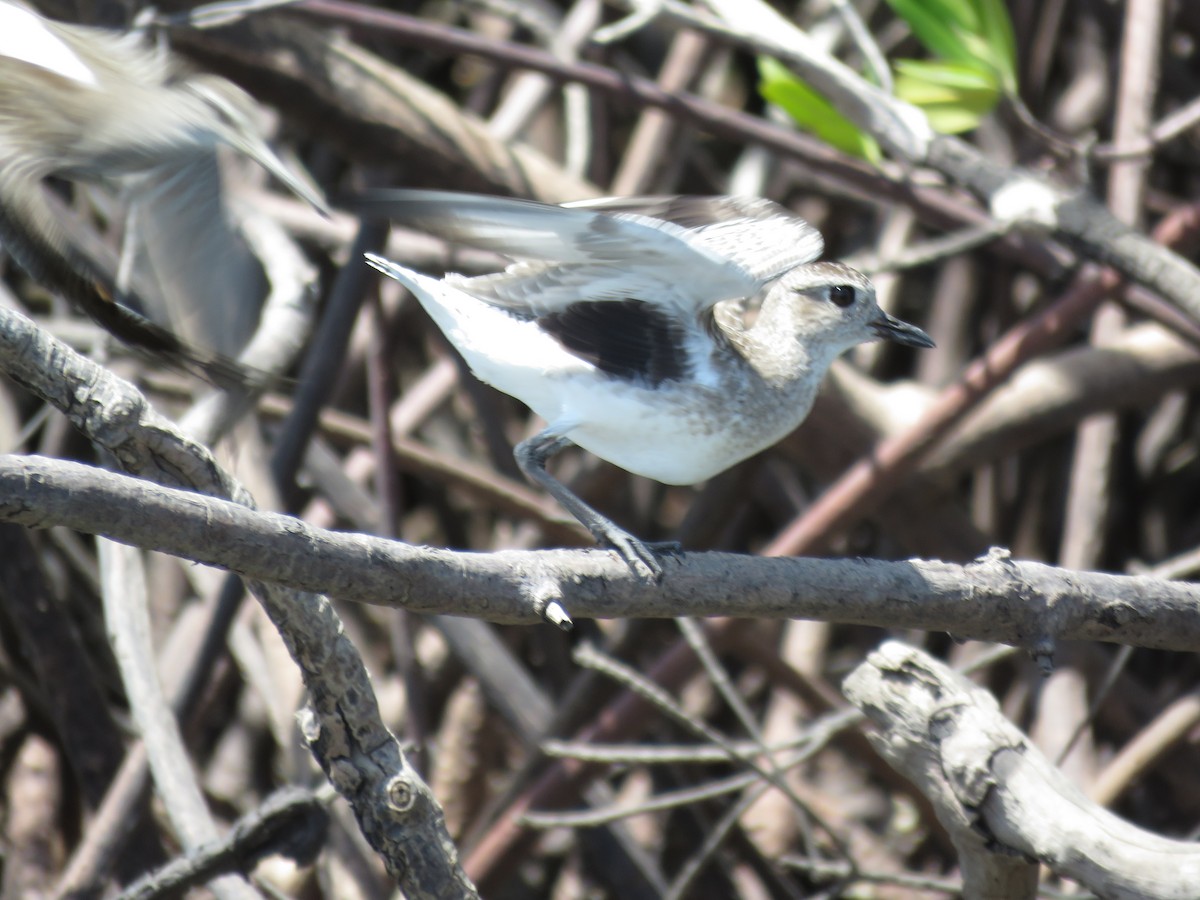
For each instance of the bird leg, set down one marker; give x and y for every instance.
(531, 456)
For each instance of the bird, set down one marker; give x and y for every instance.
(94, 105)
(623, 323)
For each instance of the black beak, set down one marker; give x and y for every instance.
(890, 328)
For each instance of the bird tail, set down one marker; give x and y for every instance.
(407, 277)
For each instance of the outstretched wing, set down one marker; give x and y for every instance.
(759, 236)
(683, 253)
(627, 284)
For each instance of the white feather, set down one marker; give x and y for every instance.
(25, 36)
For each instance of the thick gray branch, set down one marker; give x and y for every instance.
(1001, 799)
(994, 599)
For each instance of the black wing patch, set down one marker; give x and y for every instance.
(626, 338)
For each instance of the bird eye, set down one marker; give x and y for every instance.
(842, 294)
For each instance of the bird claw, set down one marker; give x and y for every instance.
(642, 558)
(668, 549)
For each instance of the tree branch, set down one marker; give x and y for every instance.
(394, 807)
(1001, 799)
(994, 598)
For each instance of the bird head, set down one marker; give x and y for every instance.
(833, 306)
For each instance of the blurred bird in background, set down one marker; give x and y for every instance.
(89, 105)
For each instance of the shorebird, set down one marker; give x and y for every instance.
(92, 105)
(621, 322)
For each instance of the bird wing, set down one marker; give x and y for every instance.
(27, 37)
(628, 339)
(761, 237)
(611, 250)
(202, 280)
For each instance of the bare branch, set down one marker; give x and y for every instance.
(395, 809)
(1001, 799)
(995, 598)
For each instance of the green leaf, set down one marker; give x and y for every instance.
(811, 111)
(997, 31)
(969, 32)
(962, 14)
(955, 97)
(951, 119)
(936, 29)
(954, 76)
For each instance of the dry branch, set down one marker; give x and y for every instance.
(1001, 799)
(995, 598)
(364, 761)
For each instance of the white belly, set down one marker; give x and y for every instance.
(676, 434)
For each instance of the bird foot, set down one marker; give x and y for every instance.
(642, 558)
